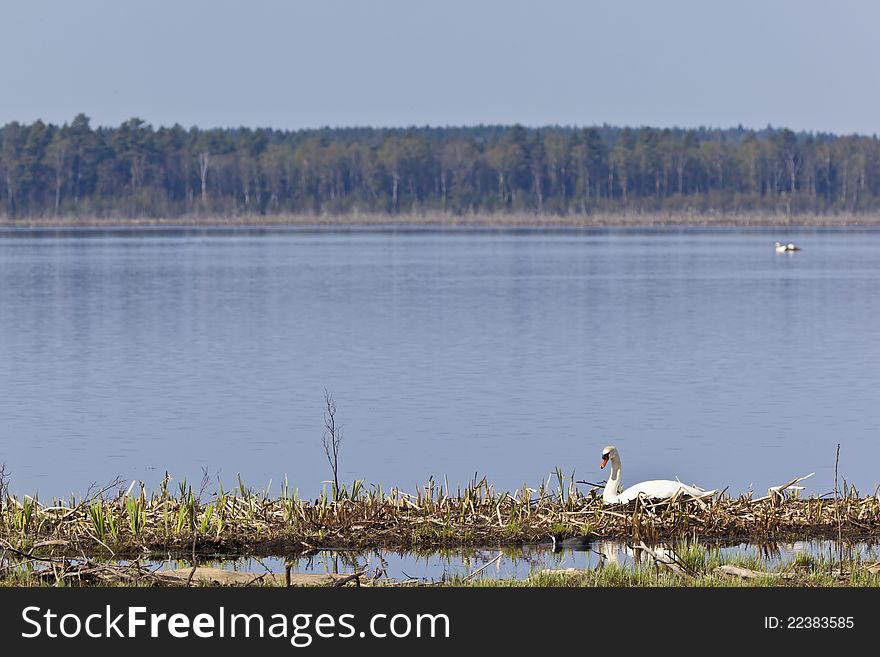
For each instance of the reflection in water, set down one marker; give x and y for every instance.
(521, 561)
(616, 553)
(624, 555)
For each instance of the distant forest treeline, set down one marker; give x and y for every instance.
(135, 170)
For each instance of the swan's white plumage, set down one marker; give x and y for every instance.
(656, 489)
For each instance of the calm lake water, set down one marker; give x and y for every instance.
(702, 354)
(519, 562)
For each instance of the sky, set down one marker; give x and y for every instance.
(807, 65)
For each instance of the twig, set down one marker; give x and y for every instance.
(27, 555)
(348, 578)
(91, 497)
(256, 579)
(195, 562)
(837, 508)
(674, 563)
(98, 540)
(191, 574)
(483, 567)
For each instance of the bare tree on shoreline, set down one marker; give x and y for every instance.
(332, 439)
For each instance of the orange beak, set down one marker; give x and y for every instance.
(604, 463)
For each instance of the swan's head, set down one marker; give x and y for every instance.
(609, 453)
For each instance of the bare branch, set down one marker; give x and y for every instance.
(206, 478)
(4, 484)
(332, 439)
(94, 492)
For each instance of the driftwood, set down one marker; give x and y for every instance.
(748, 573)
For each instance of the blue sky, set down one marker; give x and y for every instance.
(806, 65)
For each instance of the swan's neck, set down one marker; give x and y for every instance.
(612, 488)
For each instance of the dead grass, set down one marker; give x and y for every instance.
(252, 522)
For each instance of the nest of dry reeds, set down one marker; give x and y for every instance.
(244, 521)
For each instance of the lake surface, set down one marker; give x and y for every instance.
(701, 353)
(519, 562)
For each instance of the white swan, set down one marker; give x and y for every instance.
(784, 248)
(661, 489)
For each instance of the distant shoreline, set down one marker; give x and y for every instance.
(513, 220)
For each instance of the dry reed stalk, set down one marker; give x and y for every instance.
(477, 515)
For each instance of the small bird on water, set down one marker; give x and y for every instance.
(785, 248)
